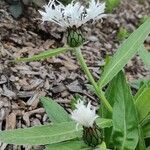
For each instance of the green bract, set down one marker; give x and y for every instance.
(93, 136)
(75, 37)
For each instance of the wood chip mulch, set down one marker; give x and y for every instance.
(22, 84)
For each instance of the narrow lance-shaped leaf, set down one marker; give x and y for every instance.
(77, 144)
(47, 134)
(43, 55)
(125, 52)
(55, 112)
(144, 87)
(125, 121)
(146, 120)
(111, 95)
(141, 144)
(142, 104)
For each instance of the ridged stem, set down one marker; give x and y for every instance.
(98, 90)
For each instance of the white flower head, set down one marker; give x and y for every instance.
(73, 14)
(84, 115)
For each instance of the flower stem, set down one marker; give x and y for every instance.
(98, 91)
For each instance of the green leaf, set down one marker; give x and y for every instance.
(144, 87)
(148, 148)
(142, 104)
(146, 130)
(55, 112)
(47, 134)
(69, 145)
(38, 135)
(141, 144)
(76, 144)
(146, 120)
(125, 121)
(111, 95)
(43, 55)
(122, 34)
(145, 56)
(144, 18)
(125, 52)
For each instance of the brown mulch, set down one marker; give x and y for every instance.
(22, 84)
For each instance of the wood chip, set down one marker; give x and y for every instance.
(6, 92)
(11, 121)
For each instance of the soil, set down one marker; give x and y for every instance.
(22, 84)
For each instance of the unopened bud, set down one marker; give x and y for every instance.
(75, 37)
(92, 136)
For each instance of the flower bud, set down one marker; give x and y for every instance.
(92, 136)
(75, 37)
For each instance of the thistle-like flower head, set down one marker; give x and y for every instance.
(73, 14)
(84, 115)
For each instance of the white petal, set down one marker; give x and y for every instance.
(73, 14)
(84, 115)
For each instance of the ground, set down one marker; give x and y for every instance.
(22, 84)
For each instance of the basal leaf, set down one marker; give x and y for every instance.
(76, 144)
(125, 121)
(38, 135)
(142, 104)
(47, 134)
(138, 96)
(124, 53)
(43, 55)
(55, 112)
(111, 95)
(69, 145)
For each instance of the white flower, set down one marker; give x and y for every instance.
(73, 14)
(84, 115)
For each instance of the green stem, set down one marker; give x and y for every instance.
(98, 91)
